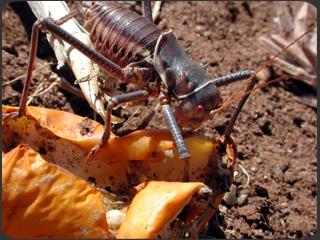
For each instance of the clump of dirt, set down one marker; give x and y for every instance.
(275, 133)
(86, 127)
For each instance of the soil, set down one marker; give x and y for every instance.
(276, 130)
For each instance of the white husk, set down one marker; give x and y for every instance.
(82, 67)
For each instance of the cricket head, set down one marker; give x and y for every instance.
(187, 81)
(194, 109)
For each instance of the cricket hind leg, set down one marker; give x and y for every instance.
(52, 26)
(31, 63)
(147, 11)
(32, 57)
(114, 102)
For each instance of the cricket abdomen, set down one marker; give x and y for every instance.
(120, 34)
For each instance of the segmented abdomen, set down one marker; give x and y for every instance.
(120, 34)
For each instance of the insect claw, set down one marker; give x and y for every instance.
(93, 152)
(185, 156)
(205, 65)
(10, 115)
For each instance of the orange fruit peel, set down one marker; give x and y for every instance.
(41, 199)
(155, 206)
(51, 144)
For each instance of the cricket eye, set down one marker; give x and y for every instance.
(199, 109)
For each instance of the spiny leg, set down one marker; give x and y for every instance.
(50, 25)
(114, 102)
(147, 11)
(176, 134)
(32, 57)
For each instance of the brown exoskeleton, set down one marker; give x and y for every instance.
(132, 48)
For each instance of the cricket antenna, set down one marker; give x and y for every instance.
(253, 80)
(228, 130)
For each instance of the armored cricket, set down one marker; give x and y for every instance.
(132, 49)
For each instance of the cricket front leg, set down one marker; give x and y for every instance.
(184, 155)
(114, 102)
(233, 119)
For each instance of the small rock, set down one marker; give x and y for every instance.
(199, 29)
(257, 233)
(284, 166)
(168, 154)
(291, 177)
(254, 169)
(250, 212)
(230, 197)
(207, 34)
(163, 24)
(115, 218)
(284, 205)
(222, 208)
(242, 199)
(286, 211)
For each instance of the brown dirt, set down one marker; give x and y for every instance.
(276, 131)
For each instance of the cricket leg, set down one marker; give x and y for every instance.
(147, 11)
(114, 102)
(32, 57)
(184, 155)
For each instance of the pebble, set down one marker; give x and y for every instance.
(163, 24)
(222, 208)
(282, 223)
(207, 34)
(284, 205)
(284, 167)
(168, 153)
(257, 233)
(199, 29)
(242, 199)
(230, 197)
(291, 177)
(254, 169)
(115, 218)
(286, 211)
(21, 62)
